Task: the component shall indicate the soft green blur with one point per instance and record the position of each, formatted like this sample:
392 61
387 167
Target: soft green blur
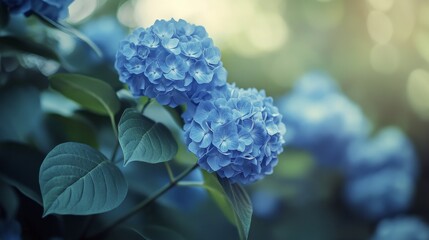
377 50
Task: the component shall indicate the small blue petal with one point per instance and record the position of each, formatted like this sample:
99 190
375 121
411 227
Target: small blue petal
201 72
192 49
127 49
135 66
153 72
150 40
163 29
212 55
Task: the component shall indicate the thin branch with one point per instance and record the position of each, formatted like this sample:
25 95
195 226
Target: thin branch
170 172
144 203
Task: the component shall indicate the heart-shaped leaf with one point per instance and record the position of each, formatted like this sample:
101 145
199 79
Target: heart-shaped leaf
77 179
144 140
93 94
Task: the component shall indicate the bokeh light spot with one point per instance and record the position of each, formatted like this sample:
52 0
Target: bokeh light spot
418 92
384 58
380 27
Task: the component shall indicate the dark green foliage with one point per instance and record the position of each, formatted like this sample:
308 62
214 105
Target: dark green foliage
77 179
144 140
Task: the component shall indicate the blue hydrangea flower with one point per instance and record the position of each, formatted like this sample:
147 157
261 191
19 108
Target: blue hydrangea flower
380 174
380 194
321 119
402 228
52 9
106 32
172 61
390 148
315 84
238 134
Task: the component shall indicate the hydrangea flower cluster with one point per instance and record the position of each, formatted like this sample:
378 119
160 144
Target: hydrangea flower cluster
380 174
54 10
410 228
238 134
172 61
321 119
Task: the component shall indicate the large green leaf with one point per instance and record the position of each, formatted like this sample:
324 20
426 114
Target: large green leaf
233 200
77 179
144 140
212 185
11 45
93 94
241 204
19 167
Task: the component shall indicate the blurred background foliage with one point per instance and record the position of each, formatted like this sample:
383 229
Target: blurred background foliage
376 51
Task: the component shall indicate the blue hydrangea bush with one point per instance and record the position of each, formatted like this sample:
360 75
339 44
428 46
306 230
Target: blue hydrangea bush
321 119
202 137
238 134
174 62
51 9
380 174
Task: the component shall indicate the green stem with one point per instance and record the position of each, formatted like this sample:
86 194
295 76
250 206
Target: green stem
149 100
113 122
190 184
144 203
115 150
170 172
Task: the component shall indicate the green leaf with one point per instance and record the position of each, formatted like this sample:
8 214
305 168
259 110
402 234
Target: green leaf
77 179
93 94
241 204
11 45
71 31
144 140
218 195
19 167
233 200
